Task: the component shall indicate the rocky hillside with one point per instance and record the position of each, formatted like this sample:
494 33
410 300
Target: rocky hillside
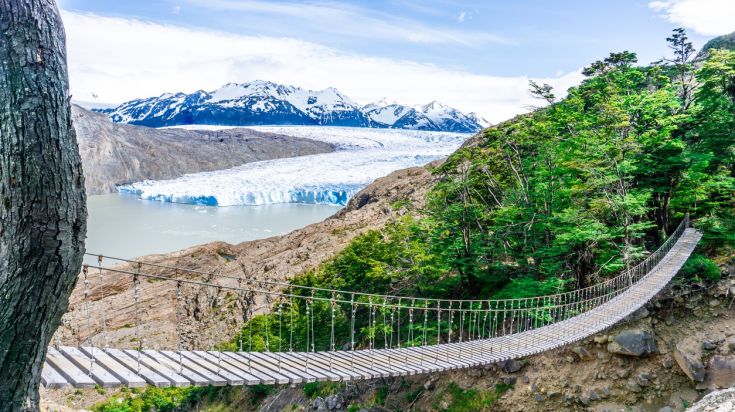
113 153
726 41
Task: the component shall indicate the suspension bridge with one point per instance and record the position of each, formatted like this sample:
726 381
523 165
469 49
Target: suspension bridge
308 334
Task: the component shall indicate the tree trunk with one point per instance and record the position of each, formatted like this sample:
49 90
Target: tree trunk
42 203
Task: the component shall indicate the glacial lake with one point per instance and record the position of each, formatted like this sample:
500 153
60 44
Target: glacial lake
125 226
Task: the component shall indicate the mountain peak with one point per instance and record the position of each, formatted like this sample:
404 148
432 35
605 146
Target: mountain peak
262 102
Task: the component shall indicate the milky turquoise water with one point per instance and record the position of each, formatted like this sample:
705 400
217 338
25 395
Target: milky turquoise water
125 226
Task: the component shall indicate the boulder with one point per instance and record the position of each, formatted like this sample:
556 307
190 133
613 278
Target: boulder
639 314
720 372
633 386
709 345
583 353
642 379
690 364
633 342
334 402
731 344
512 366
511 380
584 399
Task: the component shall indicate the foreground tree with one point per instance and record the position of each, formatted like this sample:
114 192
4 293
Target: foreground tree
42 202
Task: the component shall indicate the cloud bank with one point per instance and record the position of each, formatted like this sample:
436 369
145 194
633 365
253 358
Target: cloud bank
117 59
706 17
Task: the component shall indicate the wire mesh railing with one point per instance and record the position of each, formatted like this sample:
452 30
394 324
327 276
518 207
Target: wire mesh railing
284 317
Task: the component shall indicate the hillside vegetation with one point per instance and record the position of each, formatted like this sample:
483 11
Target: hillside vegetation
562 197
570 193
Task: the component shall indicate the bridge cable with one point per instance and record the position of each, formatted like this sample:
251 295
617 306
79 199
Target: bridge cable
85 281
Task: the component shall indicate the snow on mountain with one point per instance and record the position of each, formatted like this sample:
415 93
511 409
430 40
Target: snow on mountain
267 103
475 117
433 116
363 155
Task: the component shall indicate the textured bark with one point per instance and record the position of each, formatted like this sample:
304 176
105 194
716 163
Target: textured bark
42 202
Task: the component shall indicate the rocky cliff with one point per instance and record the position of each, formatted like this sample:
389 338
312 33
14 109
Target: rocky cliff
113 153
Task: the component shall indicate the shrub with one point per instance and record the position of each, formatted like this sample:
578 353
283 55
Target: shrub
700 267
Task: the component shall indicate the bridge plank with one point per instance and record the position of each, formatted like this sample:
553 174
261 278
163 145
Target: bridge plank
89 366
126 376
144 372
68 370
242 365
248 378
347 359
264 367
213 370
51 378
189 369
168 370
294 367
339 367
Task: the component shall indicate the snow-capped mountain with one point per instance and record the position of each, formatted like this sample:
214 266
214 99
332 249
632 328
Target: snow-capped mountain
433 116
266 103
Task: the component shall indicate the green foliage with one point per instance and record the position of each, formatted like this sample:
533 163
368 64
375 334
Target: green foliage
323 389
553 200
471 399
381 394
155 399
700 267
260 392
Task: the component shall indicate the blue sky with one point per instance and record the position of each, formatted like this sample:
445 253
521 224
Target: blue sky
496 45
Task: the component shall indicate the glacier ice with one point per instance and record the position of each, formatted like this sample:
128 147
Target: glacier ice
362 156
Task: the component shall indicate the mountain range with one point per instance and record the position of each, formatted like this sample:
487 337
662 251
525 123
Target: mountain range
267 103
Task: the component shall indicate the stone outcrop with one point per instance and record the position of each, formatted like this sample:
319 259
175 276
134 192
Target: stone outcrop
633 342
690 363
720 372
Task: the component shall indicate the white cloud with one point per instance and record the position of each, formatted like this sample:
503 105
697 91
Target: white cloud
122 59
706 17
461 16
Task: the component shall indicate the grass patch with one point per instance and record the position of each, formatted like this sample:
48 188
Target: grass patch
156 399
401 204
260 392
381 394
461 400
323 389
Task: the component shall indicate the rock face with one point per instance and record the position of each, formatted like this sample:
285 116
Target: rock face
718 401
720 372
119 153
583 353
633 342
689 364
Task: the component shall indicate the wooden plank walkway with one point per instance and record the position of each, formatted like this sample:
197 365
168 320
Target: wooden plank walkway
86 367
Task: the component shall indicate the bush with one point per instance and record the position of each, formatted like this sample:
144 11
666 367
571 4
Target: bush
700 267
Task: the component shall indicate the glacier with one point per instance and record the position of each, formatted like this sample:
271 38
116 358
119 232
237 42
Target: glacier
361 156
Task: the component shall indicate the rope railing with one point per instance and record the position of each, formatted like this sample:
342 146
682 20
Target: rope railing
358 320
632 275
